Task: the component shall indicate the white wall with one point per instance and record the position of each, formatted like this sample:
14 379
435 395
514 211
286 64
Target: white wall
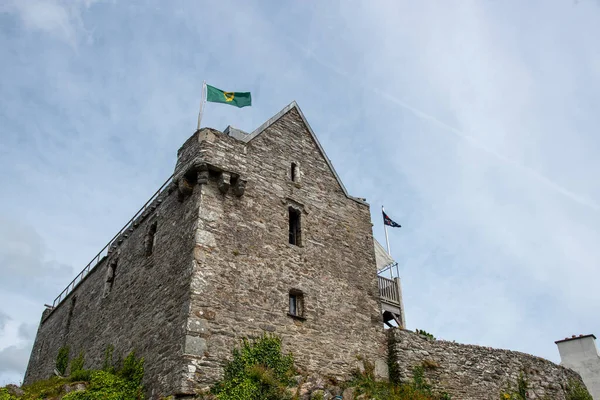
581 355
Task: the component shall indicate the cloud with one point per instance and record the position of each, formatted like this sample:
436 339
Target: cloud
58 18
29 280
27 332
22 262
14 359
3 320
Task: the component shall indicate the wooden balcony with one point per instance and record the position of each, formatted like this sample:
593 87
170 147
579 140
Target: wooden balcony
391 299
389 290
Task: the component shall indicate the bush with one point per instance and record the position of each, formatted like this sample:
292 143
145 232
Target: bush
133 369
77 364
107 386
258 371
62 359
4 395
81 375
122 384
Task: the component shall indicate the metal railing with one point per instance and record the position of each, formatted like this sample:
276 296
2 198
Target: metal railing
389 290
102 253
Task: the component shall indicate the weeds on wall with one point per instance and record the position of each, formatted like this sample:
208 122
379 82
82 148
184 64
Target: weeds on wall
258 371
124 383
393 368
62 360
574 390
425 333
520 392
418 389
108 363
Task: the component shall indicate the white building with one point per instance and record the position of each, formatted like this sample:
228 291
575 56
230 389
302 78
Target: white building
580 354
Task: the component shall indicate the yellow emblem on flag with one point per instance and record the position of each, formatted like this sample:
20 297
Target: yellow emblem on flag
229 96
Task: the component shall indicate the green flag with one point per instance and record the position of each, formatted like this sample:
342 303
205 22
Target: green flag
238 99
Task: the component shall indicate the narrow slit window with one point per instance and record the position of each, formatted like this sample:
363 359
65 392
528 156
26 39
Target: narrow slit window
295 229
150 240
296 303
294 172
110 277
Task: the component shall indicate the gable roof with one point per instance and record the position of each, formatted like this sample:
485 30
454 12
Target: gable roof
275 118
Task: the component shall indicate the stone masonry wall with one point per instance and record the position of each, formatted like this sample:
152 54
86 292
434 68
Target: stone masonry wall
145 310
475 372
245 266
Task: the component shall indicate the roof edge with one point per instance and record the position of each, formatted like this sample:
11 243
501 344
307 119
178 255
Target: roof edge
280 114
576 337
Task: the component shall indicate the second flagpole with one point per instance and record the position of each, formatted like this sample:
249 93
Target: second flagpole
387 240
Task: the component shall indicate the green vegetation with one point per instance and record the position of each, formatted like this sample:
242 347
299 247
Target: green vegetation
425 333
418 389
107 386
575 391
258 371
520 392
111 383
108 364
62 360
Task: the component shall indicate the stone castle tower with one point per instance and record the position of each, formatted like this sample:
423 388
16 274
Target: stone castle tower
253 233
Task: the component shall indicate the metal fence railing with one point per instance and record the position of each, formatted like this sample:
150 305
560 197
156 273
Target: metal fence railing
102 253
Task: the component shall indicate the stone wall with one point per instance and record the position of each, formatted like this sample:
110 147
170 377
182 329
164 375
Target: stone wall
245 266
145 309
222 268
475 372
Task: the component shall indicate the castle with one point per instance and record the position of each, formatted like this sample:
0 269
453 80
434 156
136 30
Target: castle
253 233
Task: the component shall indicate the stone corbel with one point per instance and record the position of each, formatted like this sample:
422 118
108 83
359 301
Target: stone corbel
202 173
184 187
224 181
240 187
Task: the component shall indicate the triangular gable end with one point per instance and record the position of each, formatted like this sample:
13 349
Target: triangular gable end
280 114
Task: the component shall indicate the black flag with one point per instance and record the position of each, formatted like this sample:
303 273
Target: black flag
388 221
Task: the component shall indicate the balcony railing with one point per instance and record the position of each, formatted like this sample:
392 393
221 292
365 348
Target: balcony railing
389 290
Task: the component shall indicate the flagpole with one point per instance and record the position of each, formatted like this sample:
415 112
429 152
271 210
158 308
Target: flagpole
387 240
202 104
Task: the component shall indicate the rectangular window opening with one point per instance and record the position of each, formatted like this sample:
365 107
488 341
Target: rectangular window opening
296 308
110 277
294 172
295 229
150 239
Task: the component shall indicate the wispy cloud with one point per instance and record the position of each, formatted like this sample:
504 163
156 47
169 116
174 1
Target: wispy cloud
59 18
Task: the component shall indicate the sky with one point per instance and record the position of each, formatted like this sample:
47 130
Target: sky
475 123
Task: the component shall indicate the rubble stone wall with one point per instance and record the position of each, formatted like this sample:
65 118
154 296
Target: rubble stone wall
145 309
476 372
245 266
